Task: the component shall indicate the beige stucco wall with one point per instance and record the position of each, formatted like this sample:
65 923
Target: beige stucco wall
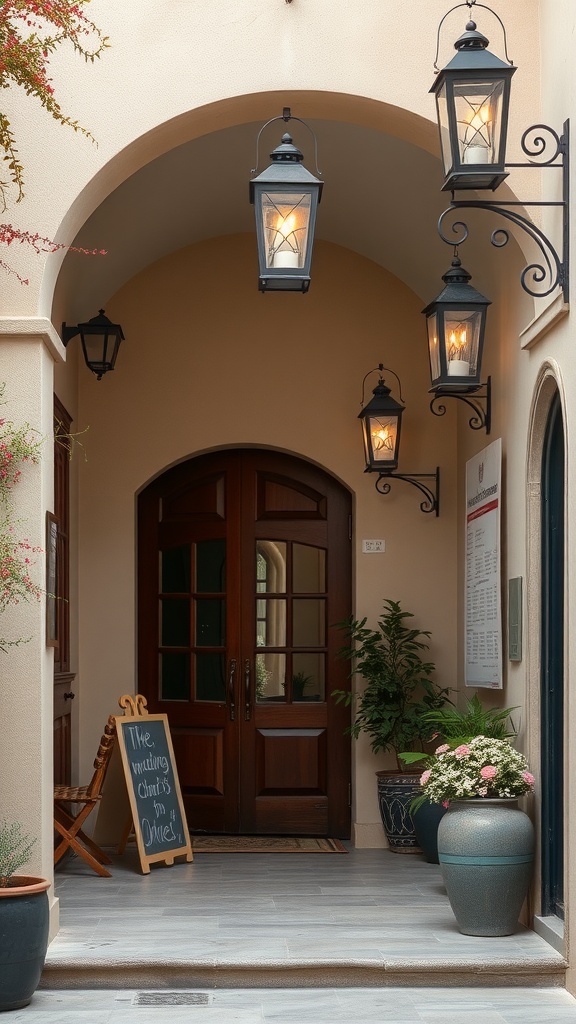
205 367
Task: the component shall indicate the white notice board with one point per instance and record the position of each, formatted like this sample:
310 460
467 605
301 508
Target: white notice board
483 663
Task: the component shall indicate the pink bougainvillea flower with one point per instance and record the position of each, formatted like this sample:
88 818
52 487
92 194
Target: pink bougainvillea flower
488 771
462 751
424 777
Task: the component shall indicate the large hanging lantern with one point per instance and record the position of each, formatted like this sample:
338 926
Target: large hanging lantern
472 101
285 198
381 423
456 322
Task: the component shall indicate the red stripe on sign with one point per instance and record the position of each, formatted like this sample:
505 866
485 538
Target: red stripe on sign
482 510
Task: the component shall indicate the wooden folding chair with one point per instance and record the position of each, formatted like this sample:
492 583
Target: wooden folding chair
68 824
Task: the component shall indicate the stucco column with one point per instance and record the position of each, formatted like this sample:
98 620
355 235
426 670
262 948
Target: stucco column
27 352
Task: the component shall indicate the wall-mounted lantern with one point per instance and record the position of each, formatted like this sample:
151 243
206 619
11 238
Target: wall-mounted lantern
456 323
100 342
381 425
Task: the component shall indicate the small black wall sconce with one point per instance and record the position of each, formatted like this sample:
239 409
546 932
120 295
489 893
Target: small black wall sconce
381 423
100 342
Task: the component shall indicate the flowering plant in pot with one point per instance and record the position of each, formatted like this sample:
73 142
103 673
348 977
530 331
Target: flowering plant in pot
485 841
483 767
398 690
24 919
454 726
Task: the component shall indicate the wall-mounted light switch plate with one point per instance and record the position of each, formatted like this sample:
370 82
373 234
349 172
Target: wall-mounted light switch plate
373 547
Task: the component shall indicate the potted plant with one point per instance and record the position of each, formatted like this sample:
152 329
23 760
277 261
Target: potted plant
398 691
485 842
24 920
454 727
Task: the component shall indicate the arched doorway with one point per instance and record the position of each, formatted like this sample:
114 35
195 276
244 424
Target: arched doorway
552 662
244 567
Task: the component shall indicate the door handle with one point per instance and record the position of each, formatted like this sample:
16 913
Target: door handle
69 696
247 707
231 703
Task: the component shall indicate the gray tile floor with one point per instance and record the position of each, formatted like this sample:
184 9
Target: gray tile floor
367 936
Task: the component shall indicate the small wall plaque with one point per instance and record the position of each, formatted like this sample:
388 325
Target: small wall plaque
515 619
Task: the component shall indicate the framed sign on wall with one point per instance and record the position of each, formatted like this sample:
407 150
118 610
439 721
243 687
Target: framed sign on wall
483 604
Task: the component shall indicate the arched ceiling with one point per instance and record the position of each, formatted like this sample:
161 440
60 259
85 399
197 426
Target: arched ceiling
381 199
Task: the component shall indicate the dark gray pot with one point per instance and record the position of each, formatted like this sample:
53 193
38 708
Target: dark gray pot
426 821
486 852
24 918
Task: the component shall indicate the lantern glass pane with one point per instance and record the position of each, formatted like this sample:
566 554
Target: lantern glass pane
478 108
461 340
433 346
383 431
443 124
95 346
286 220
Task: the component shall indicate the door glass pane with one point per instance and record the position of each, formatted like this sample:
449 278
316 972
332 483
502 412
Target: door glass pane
270 677
308 677
309 622
175 623
270 567
210 623
210 684
174 676
270 622
211 566
308 569
176 570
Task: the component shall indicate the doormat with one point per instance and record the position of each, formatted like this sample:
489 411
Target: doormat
265 844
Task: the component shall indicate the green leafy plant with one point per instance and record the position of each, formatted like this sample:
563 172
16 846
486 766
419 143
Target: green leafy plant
398 686
454 726
15 850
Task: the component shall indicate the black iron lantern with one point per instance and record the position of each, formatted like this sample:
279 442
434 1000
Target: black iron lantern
100 342
285 198
381 423
472 101
456 322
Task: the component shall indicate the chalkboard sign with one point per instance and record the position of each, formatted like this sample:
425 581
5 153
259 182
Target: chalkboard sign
158 817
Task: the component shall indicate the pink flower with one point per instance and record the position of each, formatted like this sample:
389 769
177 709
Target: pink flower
528 778
445 803
442 749
488 771
424 777
462 751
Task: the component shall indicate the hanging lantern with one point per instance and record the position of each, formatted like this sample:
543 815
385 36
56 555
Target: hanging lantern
285 198
472 101
456 322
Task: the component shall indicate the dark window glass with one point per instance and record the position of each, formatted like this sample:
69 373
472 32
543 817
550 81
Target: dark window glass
211 566
210 684
174 676
175 623
176 570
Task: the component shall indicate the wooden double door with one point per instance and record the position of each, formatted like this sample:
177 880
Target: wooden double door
244 568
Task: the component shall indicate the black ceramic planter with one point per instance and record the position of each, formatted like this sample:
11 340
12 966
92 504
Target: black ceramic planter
396 790
24 919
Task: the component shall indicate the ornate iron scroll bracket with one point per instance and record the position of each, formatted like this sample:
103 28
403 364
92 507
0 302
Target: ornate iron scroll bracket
539 278
482 417
431 494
